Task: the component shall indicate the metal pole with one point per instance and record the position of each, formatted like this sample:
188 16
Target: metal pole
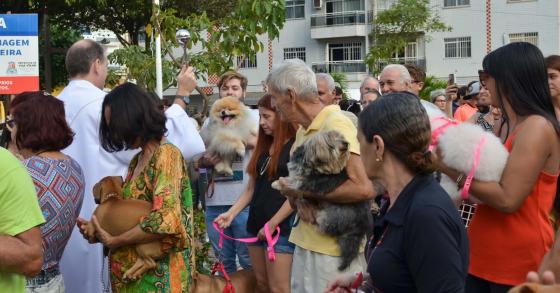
159 75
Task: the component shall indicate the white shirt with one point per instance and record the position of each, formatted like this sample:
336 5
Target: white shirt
81 262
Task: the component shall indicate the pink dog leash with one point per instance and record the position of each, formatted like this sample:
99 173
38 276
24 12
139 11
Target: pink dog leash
439 131
270 240
476 161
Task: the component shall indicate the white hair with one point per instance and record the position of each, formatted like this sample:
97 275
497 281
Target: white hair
293 74
368 78
328 78
436 93
403 72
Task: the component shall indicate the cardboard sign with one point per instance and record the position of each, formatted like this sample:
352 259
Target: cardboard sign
19 53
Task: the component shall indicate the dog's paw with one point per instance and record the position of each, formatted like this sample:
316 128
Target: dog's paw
275 185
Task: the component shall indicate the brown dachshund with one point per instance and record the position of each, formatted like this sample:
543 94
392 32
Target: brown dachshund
117 215
243 281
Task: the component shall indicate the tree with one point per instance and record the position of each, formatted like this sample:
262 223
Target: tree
129 18
233 35
431 83
60 38
403 22
341 81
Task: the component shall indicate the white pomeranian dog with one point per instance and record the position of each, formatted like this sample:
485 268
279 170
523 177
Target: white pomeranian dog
229 129
458 144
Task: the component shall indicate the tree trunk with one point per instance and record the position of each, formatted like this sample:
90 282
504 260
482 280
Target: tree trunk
47 50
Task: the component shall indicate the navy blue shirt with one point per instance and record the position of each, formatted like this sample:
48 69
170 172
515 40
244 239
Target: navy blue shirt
420 244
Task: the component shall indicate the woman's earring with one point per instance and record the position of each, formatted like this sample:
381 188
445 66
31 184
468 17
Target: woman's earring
378 160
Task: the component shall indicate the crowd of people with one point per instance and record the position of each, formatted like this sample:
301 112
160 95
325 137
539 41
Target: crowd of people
55 149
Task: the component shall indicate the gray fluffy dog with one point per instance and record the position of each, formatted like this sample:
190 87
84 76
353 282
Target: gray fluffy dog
319 166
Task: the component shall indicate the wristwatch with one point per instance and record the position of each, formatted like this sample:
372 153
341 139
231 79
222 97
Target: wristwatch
186 99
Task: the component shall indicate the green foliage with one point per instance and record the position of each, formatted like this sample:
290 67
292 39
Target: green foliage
431 83
231 36
60 38
141 66
340 80
393 28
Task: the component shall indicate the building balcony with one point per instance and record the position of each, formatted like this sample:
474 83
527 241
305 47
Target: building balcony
419 62
339 25
355 66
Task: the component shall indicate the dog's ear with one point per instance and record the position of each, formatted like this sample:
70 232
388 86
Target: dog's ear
97 192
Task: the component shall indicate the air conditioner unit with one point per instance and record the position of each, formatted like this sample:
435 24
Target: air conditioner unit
318 4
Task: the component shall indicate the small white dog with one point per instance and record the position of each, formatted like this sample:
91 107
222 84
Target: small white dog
458 144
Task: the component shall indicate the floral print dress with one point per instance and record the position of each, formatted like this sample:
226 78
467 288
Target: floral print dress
165 183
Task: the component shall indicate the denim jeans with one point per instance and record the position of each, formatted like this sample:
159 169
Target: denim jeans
230 249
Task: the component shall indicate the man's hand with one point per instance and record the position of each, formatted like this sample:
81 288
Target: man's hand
209 160
306 211
186 81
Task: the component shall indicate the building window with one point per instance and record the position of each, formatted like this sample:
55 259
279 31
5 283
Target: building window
294 53
345 52
243 62
458 47
295 9
338 6
454 3
532 38
408 52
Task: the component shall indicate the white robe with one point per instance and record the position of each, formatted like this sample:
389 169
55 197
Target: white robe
81 262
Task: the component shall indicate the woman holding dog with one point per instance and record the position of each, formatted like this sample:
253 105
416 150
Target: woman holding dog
510 233
131 119
267 206
419 243
39 136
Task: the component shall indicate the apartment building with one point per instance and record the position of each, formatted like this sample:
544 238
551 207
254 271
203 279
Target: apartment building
334 36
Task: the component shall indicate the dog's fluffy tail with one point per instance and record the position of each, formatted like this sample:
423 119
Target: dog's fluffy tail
349 244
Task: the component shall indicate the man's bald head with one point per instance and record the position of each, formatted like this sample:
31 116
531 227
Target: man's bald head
81 56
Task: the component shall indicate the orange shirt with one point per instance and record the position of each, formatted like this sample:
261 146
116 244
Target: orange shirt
465 112
505 247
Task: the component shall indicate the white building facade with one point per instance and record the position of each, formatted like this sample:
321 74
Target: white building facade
334 36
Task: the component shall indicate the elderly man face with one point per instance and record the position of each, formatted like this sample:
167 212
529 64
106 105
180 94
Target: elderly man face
391 81
369 84
367 98
284 104
325 95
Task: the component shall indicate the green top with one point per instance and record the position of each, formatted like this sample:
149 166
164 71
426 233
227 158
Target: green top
19 209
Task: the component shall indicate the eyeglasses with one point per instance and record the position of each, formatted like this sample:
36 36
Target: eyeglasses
10 124
483 77
440 101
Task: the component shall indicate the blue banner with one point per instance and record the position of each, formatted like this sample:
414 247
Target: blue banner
19 25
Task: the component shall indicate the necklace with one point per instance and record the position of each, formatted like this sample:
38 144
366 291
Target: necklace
264 167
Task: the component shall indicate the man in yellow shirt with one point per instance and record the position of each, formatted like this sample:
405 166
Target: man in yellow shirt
317 255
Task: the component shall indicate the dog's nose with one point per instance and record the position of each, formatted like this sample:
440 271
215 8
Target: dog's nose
344 146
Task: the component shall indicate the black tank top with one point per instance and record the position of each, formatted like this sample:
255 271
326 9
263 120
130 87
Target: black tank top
266 200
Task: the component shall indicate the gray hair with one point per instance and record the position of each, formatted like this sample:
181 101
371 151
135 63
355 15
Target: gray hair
436 93
367 79
293 74
328 78
403 72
